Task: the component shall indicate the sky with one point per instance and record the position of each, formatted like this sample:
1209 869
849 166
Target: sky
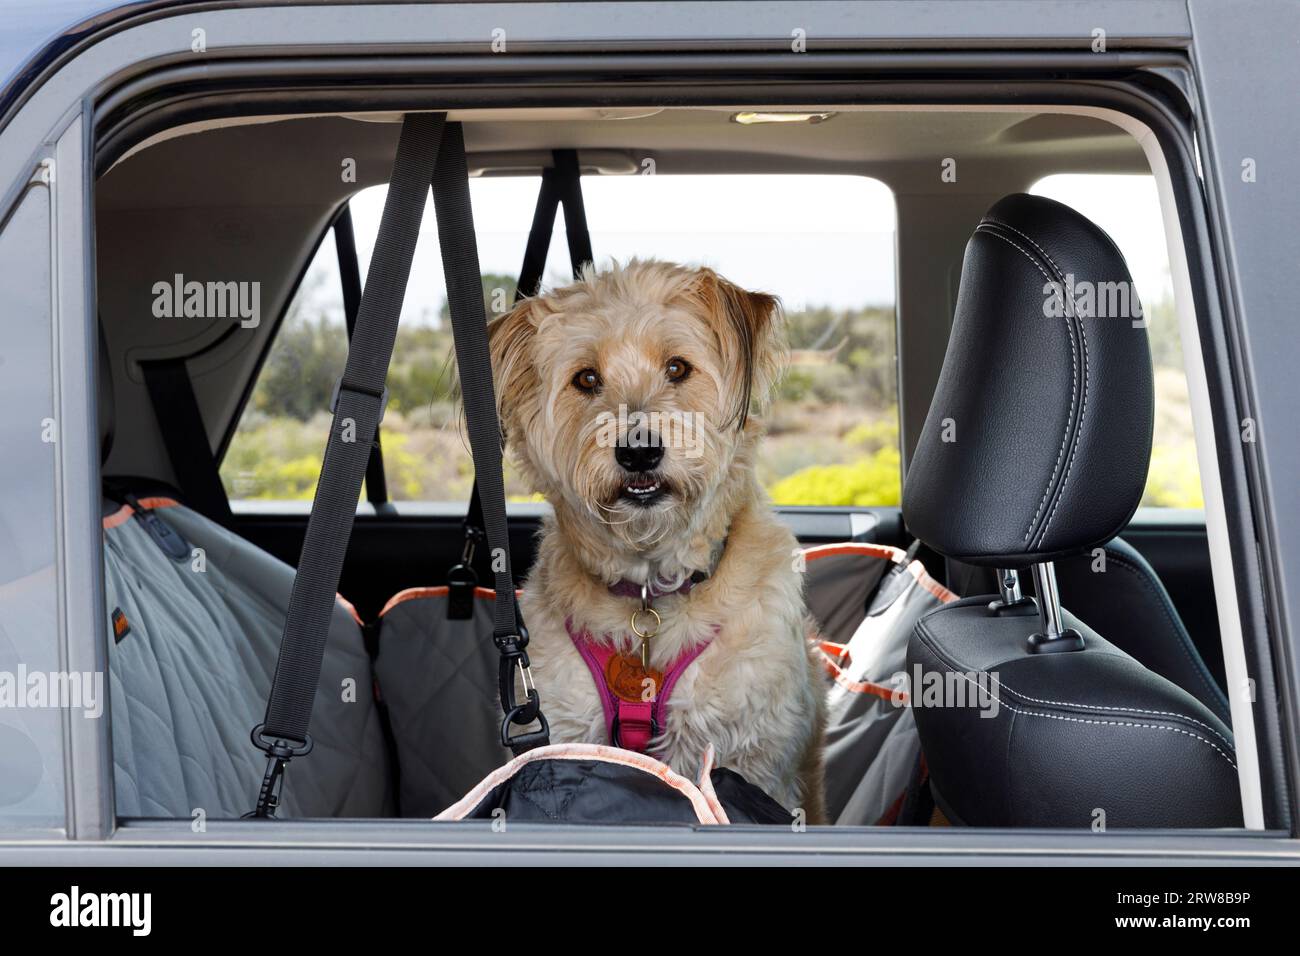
813 240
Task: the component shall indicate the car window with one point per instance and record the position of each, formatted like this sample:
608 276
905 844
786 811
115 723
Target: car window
34 691
824 244
1128 208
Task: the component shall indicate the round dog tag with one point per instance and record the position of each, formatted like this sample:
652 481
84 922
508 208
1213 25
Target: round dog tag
627 679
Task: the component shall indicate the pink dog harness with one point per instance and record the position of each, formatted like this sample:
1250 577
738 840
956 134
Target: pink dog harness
630 720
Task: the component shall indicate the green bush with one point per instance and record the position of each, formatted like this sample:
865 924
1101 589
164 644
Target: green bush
275 458
874 480
1174 480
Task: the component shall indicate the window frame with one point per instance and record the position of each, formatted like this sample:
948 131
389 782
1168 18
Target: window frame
1217 322
1199 313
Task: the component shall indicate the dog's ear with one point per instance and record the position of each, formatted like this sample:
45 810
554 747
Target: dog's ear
751 335
510 342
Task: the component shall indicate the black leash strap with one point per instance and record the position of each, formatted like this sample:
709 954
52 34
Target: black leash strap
469 328
345 247
539 238
358 406
171 393
561 183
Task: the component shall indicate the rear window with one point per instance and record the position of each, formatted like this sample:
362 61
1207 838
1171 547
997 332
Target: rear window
824 244
1128 208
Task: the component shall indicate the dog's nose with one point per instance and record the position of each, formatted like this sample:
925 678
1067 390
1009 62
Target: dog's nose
639 452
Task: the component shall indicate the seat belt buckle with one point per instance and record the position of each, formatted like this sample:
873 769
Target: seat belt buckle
339 386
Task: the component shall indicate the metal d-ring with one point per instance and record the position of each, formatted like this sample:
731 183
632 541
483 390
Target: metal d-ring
645 635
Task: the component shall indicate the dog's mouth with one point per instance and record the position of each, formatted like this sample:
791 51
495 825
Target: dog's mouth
644 488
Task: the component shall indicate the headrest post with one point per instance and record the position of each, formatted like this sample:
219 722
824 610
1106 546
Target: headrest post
1054 636
1010 599
1009 584
1049 599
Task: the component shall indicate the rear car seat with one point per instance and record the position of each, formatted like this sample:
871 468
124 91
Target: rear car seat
196 614
437 671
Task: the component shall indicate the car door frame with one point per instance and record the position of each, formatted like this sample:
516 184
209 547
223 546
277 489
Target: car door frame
1147 36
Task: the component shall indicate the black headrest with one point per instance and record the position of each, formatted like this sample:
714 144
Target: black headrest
1039 435
107 418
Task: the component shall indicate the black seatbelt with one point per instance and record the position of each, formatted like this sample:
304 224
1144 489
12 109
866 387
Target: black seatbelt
429 150
569 175
460 266
539 237
345 246
358 406
561 183
171 393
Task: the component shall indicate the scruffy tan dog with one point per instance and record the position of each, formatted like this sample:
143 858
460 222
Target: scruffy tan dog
625 400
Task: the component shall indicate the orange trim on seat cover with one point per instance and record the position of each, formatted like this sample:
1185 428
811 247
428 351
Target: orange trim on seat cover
123 514
916 568
411 594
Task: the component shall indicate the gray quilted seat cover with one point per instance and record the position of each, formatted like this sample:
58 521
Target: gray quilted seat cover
190 679
866 599
438 679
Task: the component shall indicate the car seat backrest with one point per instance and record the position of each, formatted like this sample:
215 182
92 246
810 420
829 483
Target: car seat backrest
195 620
1038 438
194 644
1036 447
1123 598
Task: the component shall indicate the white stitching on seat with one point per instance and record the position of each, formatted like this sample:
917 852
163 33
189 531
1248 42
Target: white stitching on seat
1083 334
1078 434
998 222
1131 710
1113 723
1074 366
954 663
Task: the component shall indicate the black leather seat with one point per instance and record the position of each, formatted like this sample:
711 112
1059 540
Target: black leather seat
1036 449
1127 601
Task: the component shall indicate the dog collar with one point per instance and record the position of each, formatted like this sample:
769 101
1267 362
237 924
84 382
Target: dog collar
632 589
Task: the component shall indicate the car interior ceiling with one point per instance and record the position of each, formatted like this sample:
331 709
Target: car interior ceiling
253 197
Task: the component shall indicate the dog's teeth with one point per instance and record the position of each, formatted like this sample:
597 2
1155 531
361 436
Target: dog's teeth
641 490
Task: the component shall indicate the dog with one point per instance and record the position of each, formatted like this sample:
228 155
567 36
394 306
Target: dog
625 399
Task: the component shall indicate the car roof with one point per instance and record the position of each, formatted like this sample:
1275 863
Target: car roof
38 32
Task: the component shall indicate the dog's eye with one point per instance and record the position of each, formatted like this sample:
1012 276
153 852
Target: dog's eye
587 380
677 369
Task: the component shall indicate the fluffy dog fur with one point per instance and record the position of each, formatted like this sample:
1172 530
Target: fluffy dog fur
755 692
